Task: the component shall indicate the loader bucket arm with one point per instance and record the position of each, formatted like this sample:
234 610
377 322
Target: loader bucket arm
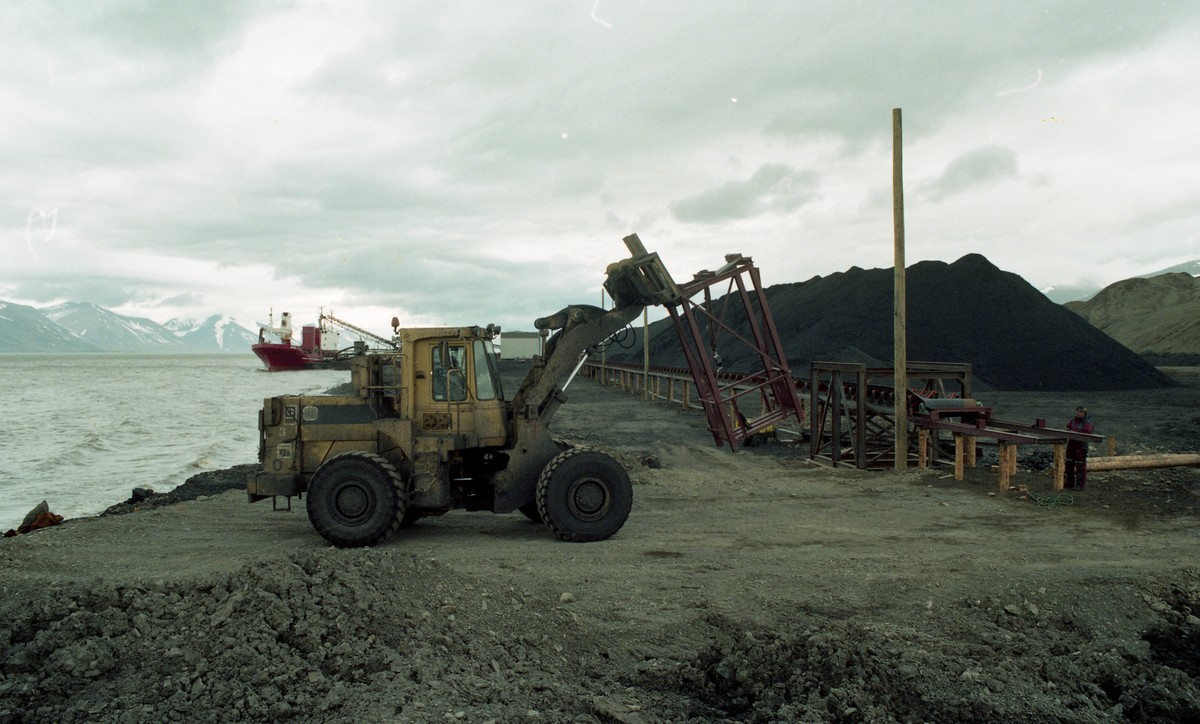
634 284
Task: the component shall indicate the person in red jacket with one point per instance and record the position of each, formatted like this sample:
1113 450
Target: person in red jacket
1076 472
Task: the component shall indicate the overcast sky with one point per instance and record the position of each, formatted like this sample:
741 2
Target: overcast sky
469 162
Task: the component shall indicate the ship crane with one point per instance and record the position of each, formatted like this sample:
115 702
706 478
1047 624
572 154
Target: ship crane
362 333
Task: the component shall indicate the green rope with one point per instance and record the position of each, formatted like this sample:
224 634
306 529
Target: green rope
1052 501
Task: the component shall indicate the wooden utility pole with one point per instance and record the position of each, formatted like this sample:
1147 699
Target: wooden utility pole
603 350
899 303
645 353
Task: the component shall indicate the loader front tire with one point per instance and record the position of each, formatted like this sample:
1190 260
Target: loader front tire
356 499
584 495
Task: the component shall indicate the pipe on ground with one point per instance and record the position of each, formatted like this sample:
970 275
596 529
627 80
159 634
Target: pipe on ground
1131 462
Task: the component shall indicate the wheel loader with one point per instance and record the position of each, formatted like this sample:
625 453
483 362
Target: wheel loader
429 429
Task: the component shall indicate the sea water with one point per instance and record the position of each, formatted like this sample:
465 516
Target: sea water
80 431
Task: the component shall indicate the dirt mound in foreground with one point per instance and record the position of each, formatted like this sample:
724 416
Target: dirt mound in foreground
374 635
323 636
969 311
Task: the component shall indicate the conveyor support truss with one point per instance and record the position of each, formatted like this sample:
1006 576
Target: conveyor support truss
727 405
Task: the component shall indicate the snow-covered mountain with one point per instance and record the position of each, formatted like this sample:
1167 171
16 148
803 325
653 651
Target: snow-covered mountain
83 327
215 334
1188 267
180 326
1064 293
26 329
112 332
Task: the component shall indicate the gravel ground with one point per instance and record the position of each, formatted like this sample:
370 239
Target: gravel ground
752 588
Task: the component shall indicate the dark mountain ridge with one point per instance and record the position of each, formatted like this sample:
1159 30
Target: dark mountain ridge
969 311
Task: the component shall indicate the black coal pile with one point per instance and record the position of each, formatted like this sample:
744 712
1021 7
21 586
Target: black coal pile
970 311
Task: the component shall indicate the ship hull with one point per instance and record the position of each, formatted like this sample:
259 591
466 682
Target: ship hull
277 357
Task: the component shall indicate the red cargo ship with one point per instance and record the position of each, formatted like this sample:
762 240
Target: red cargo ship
320 345
283 355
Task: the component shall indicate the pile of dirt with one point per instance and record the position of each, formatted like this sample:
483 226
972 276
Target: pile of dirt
1006 663
1158 316
365 635
382 635
968 312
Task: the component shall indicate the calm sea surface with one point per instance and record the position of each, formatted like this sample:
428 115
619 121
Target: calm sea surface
82 430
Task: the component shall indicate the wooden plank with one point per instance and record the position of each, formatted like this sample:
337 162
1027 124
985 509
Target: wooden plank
860 427
1049 434
958 457
970 430
923 448
1060 458
1003 466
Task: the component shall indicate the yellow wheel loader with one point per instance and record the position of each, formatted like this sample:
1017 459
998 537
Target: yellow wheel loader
429 430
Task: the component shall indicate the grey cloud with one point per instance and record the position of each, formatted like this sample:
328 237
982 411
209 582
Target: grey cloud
980 166
773 187
188 299
451 284
850 64
106 292
169 28
445 119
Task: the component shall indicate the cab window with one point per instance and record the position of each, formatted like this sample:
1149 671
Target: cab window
449 382
487 386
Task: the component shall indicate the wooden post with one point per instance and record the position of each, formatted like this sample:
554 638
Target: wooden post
645 352
1112 447
1004 466
1060 464
835 417
603 347
901 347
958 457
923 448
971 452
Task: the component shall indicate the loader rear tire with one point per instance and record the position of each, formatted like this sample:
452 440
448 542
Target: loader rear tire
356 499
584 495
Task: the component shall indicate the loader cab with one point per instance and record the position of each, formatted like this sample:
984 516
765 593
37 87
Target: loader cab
452 379
458 390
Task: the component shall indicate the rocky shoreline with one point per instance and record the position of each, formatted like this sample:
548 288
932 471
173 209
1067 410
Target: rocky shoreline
202 485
